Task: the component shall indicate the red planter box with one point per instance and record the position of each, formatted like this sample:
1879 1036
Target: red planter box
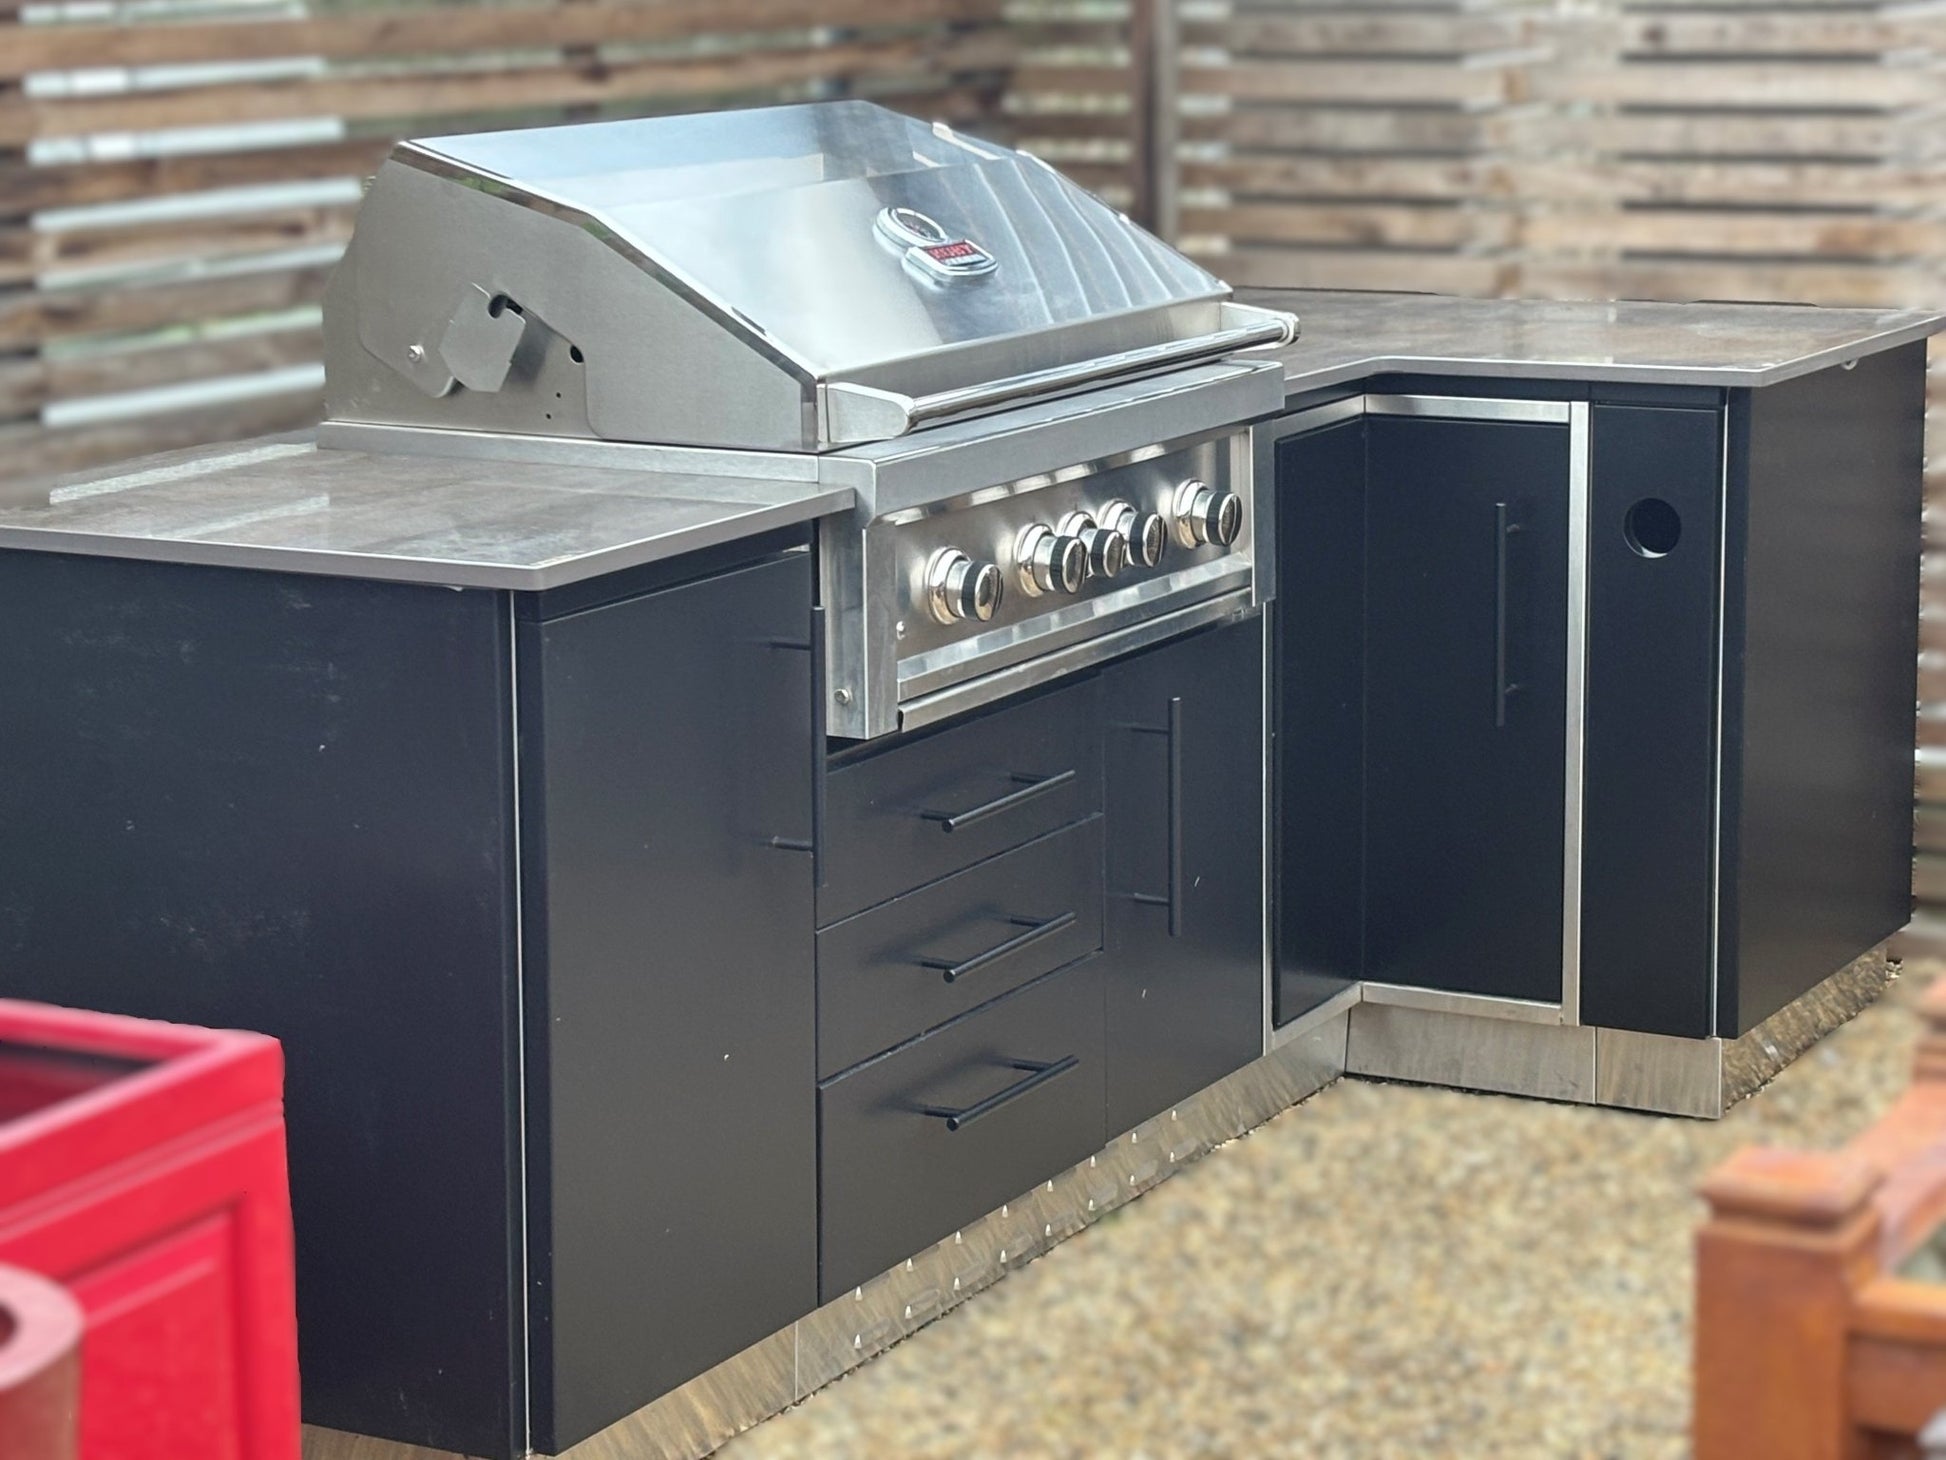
142 1167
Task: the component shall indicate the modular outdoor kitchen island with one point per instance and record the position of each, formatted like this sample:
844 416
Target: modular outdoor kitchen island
824 710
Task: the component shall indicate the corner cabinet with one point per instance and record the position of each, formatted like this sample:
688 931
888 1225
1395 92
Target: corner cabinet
1422 682
1183 784
1598 697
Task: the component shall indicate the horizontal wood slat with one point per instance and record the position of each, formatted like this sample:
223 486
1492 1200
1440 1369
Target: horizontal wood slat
451 28
29 318
28 189
1357 31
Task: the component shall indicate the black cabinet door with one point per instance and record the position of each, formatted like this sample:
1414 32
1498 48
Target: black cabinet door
1318 683
1183 780
671 1019
1466 682
1647 873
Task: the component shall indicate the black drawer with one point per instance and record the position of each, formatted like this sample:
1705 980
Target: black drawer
915 962
897 1175
926 807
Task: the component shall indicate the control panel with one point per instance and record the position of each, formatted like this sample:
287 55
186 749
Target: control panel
1049 552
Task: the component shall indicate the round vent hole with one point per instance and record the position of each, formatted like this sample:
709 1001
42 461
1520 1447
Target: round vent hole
1652 527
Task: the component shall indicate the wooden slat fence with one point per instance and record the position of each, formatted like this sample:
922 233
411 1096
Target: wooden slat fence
177 176
1073 98
1354 146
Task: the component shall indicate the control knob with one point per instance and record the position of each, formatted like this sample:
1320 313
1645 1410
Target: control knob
1049 562
1107 550
960 587
1205 515
1144 533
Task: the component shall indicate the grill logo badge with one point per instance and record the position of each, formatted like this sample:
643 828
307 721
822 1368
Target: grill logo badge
930 250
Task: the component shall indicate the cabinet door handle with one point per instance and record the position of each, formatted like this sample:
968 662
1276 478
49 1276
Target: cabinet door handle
820 701
1502 531
1175 817
954 972
814 843
1034 787
1173 898
1037 1076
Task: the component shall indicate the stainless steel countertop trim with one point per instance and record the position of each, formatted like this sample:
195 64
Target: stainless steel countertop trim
1469 408
1351 336
735 522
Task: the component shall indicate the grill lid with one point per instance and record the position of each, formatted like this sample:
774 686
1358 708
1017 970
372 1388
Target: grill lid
796 277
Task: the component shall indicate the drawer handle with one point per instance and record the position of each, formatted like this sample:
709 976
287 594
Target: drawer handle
1035 786
1037 1076
954 972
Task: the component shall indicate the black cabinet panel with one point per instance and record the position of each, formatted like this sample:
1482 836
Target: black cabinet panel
1183 774
672 1137
284 803
1819 690
1318 765
1026 1071
1649 781
911 964
926 805
1466 655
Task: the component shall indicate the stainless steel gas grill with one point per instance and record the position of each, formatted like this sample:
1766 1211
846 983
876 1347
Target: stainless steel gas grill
1032 399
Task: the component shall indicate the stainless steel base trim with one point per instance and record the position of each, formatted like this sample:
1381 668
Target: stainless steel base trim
770 1376
1335 1007
701 1416
1705 1077
322 1444
1658 1073
1481 1006
1503 1056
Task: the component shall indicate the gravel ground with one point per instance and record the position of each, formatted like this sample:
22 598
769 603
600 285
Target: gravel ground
1382 1271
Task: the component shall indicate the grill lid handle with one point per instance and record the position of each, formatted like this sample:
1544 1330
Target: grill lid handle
856 413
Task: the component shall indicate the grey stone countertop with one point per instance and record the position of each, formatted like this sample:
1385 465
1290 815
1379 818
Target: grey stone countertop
1347 336
286 504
